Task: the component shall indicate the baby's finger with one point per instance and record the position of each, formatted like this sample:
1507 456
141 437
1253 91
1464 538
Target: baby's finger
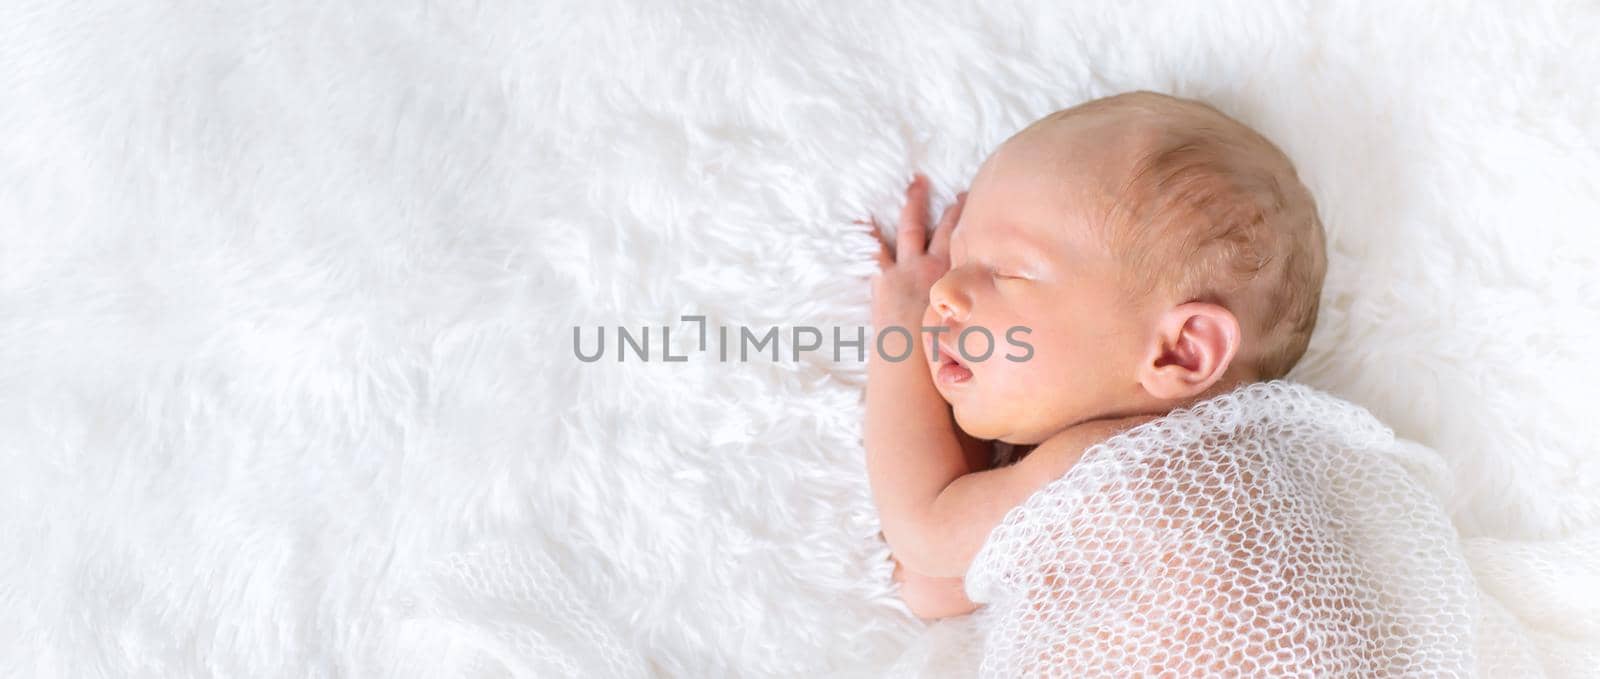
885 254
940 247
913 233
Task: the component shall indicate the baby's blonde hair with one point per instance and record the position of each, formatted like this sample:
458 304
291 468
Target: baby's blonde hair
1213 211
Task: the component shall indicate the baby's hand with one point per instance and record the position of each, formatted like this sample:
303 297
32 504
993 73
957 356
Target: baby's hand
908 268
931 598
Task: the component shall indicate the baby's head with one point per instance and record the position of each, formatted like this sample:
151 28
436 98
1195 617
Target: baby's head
1159 251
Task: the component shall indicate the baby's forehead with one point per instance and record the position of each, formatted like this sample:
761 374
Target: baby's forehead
1078 171
1065 181
1036 204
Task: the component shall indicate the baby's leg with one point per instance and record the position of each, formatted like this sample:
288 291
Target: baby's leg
930 597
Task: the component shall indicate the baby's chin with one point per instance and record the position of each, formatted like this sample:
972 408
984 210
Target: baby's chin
972 421
977 423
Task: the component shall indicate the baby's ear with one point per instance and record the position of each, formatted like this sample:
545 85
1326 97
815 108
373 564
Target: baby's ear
1193 347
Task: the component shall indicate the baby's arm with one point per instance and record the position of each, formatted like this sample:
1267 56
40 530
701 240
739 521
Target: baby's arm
939 532
914 449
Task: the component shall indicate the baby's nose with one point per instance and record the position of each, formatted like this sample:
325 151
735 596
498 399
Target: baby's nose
948 301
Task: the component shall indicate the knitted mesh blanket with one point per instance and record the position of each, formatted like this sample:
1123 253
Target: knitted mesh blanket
1272 531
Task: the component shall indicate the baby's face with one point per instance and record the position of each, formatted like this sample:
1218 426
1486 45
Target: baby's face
1026 252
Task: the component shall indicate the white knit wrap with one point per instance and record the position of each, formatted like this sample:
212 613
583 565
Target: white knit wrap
1271 531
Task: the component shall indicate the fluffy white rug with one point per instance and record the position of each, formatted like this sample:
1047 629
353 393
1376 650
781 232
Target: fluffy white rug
288 289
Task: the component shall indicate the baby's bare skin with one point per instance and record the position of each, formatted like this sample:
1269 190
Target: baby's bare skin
932 597
1020 249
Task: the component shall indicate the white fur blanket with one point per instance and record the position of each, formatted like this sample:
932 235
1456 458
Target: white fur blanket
287 292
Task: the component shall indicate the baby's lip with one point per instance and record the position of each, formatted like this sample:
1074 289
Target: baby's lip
947 354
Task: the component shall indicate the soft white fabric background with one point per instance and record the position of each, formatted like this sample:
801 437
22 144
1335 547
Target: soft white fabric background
287 292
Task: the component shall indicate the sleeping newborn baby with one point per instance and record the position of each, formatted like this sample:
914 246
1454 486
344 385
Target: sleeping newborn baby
1177 509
